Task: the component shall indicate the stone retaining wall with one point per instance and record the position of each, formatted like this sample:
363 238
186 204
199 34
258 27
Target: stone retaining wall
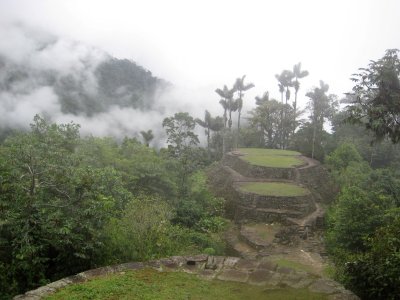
246 169
315 178
243 207
254 272
303 204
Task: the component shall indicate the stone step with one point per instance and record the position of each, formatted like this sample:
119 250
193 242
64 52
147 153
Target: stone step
259 236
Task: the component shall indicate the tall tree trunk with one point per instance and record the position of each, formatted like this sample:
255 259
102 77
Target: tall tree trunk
238 132
295 111
223 142
281 133
208 142
313 139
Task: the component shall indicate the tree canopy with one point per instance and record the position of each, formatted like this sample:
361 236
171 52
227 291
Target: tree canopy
376 97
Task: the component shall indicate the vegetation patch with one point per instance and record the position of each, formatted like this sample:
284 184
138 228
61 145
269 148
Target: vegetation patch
261 151
151 284
279 189
274 158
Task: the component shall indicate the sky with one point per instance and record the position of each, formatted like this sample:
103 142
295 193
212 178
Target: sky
201 45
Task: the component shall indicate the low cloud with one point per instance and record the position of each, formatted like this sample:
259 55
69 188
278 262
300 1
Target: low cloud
34 64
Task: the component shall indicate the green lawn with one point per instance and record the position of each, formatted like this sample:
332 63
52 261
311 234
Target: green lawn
279 189
150 284
271 157
260 151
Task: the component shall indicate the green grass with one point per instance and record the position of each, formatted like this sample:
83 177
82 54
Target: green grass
149 284
274 158
260 151
279 189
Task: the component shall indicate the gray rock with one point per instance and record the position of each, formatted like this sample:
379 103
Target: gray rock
260 277
233 275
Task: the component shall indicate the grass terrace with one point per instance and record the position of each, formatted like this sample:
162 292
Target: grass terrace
278 189
274 158
148 284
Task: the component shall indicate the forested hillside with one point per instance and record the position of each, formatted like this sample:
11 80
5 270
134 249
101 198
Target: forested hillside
113 82
64 80
68 204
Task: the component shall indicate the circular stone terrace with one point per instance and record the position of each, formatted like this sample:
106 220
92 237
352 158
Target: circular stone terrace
273 158
276 189
207 277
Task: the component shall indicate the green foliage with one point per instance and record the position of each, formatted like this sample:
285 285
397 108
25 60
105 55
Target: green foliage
182 141
143 232
322 107
267 119
68 204
341 158
302 141
347 166
53 209
141 168
355 216
376 97
200 210
378 154
380 266
363 225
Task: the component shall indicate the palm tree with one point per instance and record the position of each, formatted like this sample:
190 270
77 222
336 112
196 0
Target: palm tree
263 99
147 136
319 106
206 124
227 104
285 81
240 88
298 74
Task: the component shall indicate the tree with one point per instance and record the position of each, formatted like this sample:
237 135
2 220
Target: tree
322 107
228 105
206 125
182 140
210 124
285 82
376 274
376 94
148 136
52 209
298 74
266 118
264 98
240 87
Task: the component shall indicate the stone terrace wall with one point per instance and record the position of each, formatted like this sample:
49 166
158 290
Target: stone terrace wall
248 170
316 177
254 272
243 207
221 183
303 204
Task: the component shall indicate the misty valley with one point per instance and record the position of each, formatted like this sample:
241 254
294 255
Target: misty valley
99 167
